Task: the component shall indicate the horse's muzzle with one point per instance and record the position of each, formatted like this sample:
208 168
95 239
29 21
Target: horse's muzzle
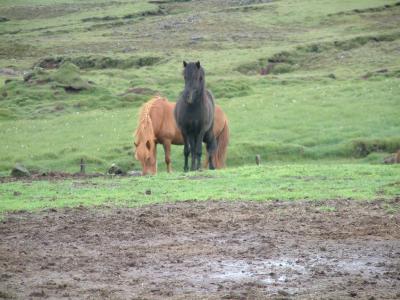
188 97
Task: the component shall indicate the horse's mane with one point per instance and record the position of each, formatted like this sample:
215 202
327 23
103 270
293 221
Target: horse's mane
144 130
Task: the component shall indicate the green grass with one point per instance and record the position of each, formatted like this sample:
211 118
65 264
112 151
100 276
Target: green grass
332 98
300 120
267 182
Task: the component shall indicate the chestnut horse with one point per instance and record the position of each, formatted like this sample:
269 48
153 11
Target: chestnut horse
156 125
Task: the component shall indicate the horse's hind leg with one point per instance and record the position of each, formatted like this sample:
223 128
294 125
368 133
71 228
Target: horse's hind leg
167 152
211 146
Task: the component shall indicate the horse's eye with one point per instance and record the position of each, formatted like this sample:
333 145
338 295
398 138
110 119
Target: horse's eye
201 78
148 145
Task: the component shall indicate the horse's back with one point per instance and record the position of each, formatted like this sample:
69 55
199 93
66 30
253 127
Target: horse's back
163 120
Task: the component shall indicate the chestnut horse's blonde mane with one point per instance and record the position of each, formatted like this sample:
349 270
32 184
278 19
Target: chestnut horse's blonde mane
144 131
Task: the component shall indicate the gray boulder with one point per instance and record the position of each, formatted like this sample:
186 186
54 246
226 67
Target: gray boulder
134 173
115 170
20 171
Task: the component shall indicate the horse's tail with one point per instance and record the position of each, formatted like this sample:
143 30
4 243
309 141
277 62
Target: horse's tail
219 156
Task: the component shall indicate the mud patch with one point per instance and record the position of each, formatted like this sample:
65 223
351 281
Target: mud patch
49 176
207 250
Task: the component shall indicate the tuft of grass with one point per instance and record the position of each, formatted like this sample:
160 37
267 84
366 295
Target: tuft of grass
326 208
365 147
392 208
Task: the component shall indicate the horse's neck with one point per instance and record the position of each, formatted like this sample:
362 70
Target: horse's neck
203 96
210 96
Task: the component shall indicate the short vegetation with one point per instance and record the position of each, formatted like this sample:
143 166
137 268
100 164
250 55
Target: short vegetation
304 82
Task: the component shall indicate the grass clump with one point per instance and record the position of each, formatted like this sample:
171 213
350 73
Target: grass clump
326 208
307 56
364 147
67 77
367 10
229 89
99 62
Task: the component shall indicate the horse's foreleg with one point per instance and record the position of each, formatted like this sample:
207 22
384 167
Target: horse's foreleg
192 141
167 152
199 146
186 151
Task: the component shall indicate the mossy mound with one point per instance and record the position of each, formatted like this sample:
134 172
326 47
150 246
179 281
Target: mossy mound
98 62
67 77
301 57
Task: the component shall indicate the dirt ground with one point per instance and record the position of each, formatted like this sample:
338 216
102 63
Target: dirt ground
204 250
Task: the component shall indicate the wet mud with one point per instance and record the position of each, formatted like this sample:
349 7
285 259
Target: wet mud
334 249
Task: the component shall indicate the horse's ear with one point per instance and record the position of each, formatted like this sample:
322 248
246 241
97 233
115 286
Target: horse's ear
184 64
198 64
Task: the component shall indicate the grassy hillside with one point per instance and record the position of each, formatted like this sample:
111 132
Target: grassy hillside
299 80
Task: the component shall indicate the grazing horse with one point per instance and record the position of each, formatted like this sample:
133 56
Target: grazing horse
156 125
194 115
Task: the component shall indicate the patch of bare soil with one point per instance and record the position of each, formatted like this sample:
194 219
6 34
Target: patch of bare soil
50 176
204 250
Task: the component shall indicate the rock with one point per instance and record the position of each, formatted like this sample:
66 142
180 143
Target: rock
115 170
20 171
283 293
28 76
129 49
9 72
353 293
134 173
390 159
268 69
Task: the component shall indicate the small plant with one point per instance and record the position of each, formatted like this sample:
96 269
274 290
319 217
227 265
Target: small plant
327 208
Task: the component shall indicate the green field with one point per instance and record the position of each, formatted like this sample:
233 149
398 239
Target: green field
273 182
73 75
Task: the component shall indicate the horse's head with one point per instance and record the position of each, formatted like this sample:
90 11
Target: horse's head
146 154
194 75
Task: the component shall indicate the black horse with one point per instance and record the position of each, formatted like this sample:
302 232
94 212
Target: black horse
194 115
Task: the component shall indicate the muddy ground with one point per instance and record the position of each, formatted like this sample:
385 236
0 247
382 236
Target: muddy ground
196 250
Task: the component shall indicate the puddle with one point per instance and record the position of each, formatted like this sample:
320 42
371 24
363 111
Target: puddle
265 271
